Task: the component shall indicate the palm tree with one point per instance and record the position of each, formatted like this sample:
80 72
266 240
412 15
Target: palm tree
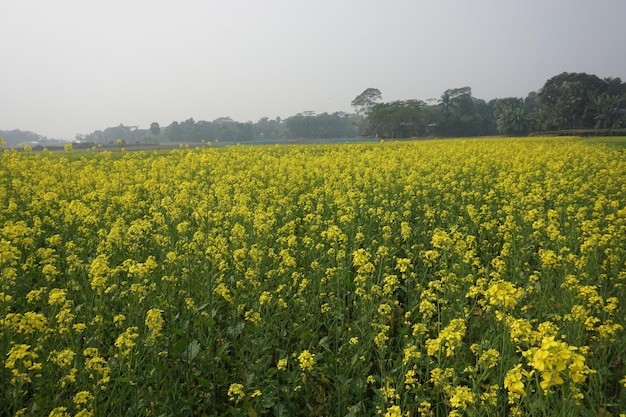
512 121
606 110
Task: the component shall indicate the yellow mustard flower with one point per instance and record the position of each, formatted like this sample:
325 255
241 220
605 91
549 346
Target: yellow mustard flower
154 322
235 392
306 360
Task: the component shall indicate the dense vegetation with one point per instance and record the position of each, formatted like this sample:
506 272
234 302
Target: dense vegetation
418 278
566 102
569 103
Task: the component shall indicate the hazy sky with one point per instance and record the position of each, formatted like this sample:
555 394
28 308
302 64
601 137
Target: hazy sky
75 66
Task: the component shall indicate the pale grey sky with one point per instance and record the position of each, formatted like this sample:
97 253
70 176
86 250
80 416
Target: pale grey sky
75 66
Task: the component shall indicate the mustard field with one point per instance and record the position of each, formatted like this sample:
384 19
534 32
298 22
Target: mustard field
480 277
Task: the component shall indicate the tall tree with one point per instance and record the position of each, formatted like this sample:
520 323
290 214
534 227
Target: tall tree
462 114
607 110
456 100
365 102
566 98
155 129
511 116
322 126
398 119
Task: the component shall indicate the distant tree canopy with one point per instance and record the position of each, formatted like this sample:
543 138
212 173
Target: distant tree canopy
14 138
582 101
457 113
127 134
511 116
155 129
364 103
567 102
322 126
306 125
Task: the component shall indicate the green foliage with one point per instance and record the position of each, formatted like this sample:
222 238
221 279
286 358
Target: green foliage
399 119
13 138
155 129
567 102
582 101
464 115
511 117
608 110
322 126
365 102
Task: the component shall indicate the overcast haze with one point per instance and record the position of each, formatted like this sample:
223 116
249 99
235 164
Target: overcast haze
76 66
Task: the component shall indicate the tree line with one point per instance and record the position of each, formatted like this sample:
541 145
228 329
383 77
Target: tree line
568 103
15 137
571 103
305 125
302 126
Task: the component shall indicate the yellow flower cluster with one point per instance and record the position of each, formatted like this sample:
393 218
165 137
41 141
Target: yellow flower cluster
306 360
125 342
236 393
97 368
514 383
449 339
154 322
553 357
21 361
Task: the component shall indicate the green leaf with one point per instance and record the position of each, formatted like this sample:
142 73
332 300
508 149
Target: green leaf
192 350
